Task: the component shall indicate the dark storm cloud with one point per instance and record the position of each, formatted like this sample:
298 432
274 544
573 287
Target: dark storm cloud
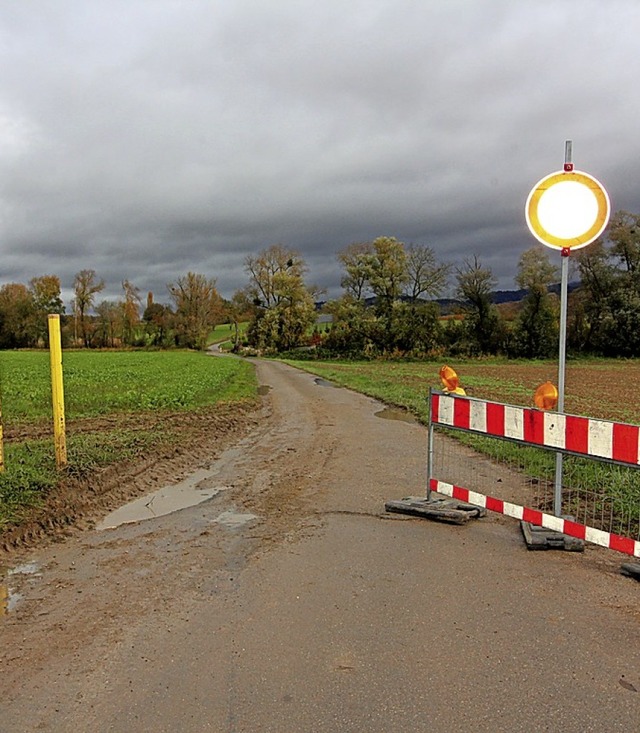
144 139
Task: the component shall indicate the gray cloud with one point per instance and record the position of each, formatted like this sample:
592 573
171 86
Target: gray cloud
147 138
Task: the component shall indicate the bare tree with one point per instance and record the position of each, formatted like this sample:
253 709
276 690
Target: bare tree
426 275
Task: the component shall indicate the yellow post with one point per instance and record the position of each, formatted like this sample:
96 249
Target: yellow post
57 391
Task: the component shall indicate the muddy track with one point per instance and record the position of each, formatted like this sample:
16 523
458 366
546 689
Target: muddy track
292 602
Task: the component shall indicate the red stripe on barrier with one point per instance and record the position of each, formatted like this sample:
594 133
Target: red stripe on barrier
577 434
533 421
532 516
435 407
622 544
460 493
625 443
495 418
495 505
574 529
461 413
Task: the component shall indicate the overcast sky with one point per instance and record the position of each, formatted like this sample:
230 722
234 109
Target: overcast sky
147 138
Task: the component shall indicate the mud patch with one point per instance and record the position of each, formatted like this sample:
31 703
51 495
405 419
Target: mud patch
232 519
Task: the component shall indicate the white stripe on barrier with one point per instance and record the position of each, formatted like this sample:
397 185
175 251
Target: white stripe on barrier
600 438
445 410
555 426
478 416
513 423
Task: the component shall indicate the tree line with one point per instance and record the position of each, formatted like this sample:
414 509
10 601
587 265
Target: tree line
195 308
389 305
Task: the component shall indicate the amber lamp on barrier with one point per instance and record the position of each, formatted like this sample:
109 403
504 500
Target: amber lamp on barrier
450 380
546 396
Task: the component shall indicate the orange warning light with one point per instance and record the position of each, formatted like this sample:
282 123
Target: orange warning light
546 396
450 380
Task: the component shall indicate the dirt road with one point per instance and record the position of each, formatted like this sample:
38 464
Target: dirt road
291 603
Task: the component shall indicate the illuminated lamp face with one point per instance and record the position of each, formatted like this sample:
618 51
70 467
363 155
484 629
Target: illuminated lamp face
567 210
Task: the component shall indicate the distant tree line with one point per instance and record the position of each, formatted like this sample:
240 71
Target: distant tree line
389 305
196 308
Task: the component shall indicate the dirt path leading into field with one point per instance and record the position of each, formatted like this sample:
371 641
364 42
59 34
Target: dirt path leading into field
290 602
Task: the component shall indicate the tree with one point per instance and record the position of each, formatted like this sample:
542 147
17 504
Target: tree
198 308
276 275
109 316
536 330
387 272
483 330
158 319
86 288
16 316
284 307
45 292
624 234
425 276
130 308
356 260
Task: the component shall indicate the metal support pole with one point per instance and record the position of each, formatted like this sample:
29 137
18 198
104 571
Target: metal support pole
562 357
429 447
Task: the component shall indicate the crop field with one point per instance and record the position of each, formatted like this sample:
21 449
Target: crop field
605 389
102 383
114 402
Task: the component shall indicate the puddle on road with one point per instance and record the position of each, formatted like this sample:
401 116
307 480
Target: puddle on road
393 413
167 500
233 519
324 382
9 594
264 389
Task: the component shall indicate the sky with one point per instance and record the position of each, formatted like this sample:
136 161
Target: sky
144 139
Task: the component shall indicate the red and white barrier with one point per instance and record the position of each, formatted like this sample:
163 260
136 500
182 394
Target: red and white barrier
599 439
540 519
614 441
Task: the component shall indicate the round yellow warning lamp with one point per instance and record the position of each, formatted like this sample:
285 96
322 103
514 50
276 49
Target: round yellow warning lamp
546 396
567 210
449 378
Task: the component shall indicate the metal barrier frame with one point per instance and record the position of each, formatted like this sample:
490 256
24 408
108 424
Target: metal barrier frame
602 440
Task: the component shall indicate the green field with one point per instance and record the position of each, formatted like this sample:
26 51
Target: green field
97 385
